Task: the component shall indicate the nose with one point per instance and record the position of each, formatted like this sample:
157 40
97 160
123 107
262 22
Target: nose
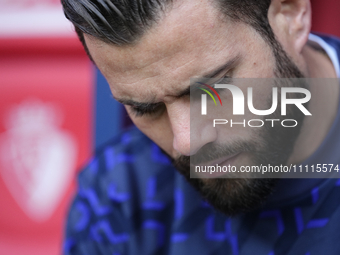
190 134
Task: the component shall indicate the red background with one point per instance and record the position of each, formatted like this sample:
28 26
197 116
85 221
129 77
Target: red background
57 69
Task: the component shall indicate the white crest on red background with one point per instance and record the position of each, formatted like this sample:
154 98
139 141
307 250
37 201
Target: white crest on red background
37 157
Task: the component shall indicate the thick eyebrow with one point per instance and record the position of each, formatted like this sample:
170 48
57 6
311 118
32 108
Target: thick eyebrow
212 74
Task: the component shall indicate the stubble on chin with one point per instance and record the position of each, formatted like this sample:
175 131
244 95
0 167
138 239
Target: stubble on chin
229 196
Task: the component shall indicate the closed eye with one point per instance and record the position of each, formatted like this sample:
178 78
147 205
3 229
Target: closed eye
148 109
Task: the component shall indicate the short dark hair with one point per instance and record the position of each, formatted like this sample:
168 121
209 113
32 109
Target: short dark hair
119 22
123 22
251 12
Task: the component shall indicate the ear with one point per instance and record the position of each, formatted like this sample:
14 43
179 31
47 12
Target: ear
291 23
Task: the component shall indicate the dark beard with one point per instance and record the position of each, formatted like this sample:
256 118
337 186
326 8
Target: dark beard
230 196
241 195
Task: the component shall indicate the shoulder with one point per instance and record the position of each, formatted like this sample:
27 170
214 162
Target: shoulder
331 39
129 156
126 175
330 43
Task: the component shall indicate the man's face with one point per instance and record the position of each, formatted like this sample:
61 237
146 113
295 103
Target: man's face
152 79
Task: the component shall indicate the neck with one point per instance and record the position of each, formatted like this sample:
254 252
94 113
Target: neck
323 105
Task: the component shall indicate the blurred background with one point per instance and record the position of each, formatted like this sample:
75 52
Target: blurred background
55 109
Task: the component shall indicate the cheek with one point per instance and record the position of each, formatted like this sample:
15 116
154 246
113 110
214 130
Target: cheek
158 130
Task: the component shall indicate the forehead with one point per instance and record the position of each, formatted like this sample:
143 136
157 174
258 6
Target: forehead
192 39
